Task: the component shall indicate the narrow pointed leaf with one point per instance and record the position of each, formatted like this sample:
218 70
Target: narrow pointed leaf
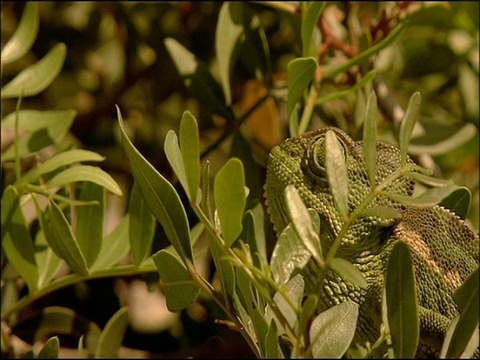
294 291
272 348
309 306
190 148
336 169
180 290
420 201
175 159
112 335
160 196
50 349
310 13
230 200
48 262
401 300
383 212
142 225
227 35
411 117
300 74
24 37
332 331
59 160
85 173
38 76
60 237
348 272
370 138
16 240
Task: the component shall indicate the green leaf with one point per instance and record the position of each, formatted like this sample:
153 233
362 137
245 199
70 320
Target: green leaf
428 180
401 300
309 307
310 13
16 240
89 231
467 299
409 120
227 36
160 196
348 272
180 290
370 138
190 148
48 262
294 291
59 160
301 222
300 74
332 330
38 76
142 225
112 335
60 237
224 267
424 200
115 246
175 159
85 173
50 349
457 201
24 37
383 212
272 348
44 128
336 169
230 200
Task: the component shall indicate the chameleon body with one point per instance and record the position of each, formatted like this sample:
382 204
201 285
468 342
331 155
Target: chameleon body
443 248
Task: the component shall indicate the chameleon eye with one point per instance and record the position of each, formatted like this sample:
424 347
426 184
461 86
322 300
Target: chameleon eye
315 156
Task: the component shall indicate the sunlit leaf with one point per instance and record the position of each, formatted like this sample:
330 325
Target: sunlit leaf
142 225
44 128
81 173
190 148
229 193
50 349
336 169
370 138
409 120
180 290
24 37
294 291
112 335
401 301
332 330
38 76
16 240
348 272
160 196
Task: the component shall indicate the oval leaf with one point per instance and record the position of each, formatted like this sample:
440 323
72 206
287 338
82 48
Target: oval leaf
160 196
230 200
50 349
401 301
85 173
16 240
332 331
180 290
412 115
370 138
23 38
38 76
336 169
142 225
190 148
175 159
112 335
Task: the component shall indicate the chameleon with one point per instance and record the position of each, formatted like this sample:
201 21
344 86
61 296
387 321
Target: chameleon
444 249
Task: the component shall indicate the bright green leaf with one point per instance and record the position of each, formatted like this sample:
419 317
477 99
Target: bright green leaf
412 115
44 128
401 301
190 148
50 349
332 330
59 160
160 196
310 13
16 240
348 272
38 76
60 237
85 173
370 138
90 218
336 169
48 262
112 335
180 290
230 200
272 348
24 37
175 158
228 34
142 225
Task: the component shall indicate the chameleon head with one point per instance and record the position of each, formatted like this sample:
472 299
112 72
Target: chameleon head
300 161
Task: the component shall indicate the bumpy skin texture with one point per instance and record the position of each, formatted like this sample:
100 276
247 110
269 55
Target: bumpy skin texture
444 249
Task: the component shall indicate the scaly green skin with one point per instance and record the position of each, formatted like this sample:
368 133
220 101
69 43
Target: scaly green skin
444 249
